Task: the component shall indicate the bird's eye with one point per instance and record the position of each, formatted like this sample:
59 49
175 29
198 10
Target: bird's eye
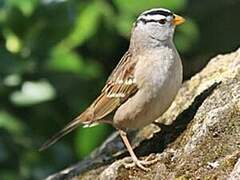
162 21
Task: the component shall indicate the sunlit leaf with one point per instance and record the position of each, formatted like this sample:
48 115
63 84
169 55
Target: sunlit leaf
86 25
12 80
13 42
3 15
33 93
10 123
89 138
26 6
65 60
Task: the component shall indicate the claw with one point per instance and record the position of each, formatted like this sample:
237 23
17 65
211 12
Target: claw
141 163
135 161
153 158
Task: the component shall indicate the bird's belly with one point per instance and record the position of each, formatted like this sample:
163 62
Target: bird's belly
138 117
152 100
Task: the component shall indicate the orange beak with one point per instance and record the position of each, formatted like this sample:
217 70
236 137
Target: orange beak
178 20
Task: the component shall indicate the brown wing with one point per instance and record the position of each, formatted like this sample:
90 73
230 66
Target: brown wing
119 87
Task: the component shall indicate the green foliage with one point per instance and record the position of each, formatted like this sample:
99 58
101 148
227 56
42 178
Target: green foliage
10 123
54 58
25 6
84 144
86 24
188 35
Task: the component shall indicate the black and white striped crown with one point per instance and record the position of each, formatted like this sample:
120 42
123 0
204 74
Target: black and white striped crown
154 15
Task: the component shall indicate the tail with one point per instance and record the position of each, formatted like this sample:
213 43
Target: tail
82 119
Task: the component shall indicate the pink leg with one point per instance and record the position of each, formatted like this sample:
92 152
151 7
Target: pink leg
136 161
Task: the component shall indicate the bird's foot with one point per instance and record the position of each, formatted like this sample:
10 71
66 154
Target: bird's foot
142 164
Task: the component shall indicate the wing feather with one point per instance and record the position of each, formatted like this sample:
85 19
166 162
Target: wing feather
119 87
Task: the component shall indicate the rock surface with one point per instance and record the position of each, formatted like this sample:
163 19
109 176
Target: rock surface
200 138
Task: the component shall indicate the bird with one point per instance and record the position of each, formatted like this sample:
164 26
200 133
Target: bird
142 86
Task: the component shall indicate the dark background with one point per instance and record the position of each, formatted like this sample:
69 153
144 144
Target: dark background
55 56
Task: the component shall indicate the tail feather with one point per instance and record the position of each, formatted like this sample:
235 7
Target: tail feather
70 127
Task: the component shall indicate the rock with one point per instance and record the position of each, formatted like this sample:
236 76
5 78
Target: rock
200 138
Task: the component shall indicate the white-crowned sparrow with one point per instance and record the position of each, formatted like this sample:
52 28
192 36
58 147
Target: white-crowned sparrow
144 83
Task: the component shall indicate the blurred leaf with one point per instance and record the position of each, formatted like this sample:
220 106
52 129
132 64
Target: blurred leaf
33 93
89 138
12 80
132 7
3 14
11 123
124 25
13 43
26 6
11 63
187 34
65 60
8 174
52 1
86 25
